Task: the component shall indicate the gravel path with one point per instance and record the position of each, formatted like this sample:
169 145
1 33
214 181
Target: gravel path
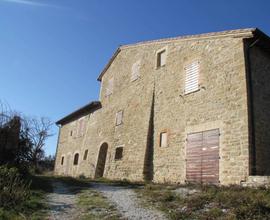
127 203
62 203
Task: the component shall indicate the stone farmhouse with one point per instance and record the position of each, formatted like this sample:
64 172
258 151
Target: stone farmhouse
185 109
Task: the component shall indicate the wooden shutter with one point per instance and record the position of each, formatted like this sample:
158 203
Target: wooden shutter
210 156
135 70
194 162
192 77
202 155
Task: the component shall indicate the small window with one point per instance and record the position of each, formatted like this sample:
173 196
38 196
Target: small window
76 159
135 70
109 89
163 139
71 132
161 58
118 153
81 124
85 154
192 77
62 160
119 118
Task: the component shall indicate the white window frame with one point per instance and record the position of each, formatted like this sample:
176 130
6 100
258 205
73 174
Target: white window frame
164 51
163 142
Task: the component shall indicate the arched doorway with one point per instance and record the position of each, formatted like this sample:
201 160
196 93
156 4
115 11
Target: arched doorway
101 160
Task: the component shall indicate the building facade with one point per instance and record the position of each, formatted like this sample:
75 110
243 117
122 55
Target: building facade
185 109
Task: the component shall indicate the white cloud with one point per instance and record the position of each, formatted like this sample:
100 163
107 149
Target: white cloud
30 3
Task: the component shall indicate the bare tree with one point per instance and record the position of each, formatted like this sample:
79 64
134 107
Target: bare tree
22 139
37 131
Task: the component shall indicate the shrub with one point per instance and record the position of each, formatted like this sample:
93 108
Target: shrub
13 189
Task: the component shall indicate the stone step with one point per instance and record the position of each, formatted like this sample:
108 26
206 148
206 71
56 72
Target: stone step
257 181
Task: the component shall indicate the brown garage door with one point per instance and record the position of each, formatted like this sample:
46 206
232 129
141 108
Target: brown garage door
203 157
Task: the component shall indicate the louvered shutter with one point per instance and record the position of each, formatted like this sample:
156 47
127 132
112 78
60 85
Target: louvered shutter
192 77
135 70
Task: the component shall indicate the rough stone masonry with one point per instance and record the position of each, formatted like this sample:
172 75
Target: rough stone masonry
185 109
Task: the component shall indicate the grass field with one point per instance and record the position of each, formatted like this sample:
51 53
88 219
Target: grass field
208 202
178 202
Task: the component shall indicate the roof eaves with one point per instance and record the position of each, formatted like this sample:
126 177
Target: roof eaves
90 107
248 32
109 63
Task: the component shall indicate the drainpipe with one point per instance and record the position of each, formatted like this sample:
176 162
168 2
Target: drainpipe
249 45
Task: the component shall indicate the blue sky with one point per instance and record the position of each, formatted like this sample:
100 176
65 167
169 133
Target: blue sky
51 51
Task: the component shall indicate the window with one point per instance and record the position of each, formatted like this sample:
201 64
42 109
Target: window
118 153
192 77
109 89
135 70
62 160
70 133
76 159
161 58
80 127
119 118
85 154
163 139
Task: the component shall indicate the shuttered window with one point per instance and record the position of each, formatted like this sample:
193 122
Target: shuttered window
163 139
135 70
192 77
109 89
119 118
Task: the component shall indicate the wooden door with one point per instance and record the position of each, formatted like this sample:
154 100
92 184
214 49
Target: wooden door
202 155
194 161
210 157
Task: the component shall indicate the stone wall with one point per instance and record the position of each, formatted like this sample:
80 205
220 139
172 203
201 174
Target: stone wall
220 103
260 70
156 102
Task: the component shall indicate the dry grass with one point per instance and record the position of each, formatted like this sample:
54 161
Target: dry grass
95 206
208 202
